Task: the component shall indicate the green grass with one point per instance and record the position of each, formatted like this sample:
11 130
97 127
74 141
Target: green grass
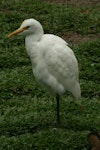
27 112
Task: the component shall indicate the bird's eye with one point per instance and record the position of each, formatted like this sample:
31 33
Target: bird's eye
26 27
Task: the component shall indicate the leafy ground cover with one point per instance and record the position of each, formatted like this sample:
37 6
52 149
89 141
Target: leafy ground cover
27 112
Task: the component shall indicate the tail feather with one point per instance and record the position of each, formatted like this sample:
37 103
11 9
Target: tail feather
76 91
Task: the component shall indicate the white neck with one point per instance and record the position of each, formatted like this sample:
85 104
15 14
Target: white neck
33 38
31 42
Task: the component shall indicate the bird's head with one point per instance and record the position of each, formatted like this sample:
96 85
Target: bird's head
28 26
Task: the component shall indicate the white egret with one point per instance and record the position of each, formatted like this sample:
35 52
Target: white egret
54 64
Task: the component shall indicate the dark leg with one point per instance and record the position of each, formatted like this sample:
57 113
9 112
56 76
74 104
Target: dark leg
58 117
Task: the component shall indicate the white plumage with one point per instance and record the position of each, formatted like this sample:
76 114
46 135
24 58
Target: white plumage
53 63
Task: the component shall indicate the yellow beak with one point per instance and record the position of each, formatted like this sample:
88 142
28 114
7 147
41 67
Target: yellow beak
19 30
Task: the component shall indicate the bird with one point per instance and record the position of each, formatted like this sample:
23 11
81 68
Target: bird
94 140
54 63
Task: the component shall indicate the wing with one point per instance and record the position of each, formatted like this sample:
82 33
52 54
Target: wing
62 64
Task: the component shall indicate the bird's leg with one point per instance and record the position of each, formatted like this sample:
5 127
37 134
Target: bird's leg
58 117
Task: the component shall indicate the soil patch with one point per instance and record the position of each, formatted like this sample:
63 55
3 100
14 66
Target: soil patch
75 2
75 38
